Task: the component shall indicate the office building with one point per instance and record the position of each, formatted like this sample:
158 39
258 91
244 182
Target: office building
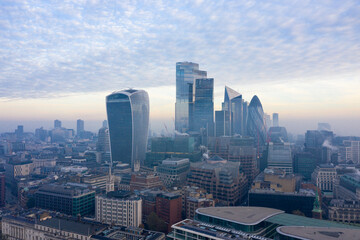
275 119
252 223
204 106
15 169
143 180
234 105
168 208
256 125
57 123
278 134
304 164
346 211
352 151
2 189
79 126
70 199
347 187
222 178
276 180
172 171
324 127
222 123
119 208
279 156
128 118
324 177
186 73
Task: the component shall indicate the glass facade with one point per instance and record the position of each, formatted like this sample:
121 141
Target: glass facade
128 119
256 123
204 105
234 104
186 73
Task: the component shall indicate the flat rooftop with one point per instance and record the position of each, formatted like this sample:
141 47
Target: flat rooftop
241 215
319 233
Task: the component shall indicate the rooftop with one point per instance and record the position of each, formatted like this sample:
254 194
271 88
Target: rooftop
241 215
72 226
319 233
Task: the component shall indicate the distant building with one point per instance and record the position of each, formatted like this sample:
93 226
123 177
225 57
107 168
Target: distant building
275 119
186 73
79 126
142 180
57 123
278 134
194 198
256 124
70 199
204 106
276 180
172 171
279 156
96 181
222 123
119 208
2 189
348 187
304 164
352 151
18 169
128 117
221 178
324 176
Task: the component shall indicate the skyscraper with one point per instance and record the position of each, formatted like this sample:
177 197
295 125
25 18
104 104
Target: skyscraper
79 126
234 104
186 73
204 105
275 119
256 123
128 119
57 123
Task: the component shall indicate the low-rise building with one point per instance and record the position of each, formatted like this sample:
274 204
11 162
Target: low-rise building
324 176
119 208
144 180
172 171
70 199
347 211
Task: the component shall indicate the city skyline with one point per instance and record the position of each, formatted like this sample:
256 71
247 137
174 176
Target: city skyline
59 61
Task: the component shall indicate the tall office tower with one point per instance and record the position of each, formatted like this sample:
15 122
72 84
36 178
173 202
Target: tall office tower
279 156
57 123
204 105
245 117
186 73
324 127
234 104
275 119
128 118
105 124
79 126
255 123
222 123
103 143
267 121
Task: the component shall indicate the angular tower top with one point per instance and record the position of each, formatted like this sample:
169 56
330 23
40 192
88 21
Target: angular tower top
230 94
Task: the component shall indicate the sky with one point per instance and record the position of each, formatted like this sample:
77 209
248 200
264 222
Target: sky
59 59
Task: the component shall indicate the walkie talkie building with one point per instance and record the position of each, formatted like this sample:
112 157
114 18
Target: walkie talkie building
128 119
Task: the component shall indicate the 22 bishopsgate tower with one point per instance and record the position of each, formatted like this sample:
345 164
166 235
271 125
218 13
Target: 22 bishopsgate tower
128 119
186 74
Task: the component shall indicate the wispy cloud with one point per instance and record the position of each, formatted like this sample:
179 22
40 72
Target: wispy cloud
50 49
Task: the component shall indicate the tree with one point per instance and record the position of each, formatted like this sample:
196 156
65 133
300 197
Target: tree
154 223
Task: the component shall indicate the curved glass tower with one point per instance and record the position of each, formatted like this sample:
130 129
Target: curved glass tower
256 123
128 119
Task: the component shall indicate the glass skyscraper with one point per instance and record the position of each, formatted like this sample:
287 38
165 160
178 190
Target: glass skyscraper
186 73
256 123
234 104
204 105
128 119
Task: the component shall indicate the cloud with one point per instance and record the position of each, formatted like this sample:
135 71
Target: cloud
89 46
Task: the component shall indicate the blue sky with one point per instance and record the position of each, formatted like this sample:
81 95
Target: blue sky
302 58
